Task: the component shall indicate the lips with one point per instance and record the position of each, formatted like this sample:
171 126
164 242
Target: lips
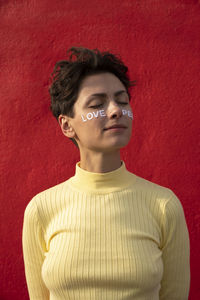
117 126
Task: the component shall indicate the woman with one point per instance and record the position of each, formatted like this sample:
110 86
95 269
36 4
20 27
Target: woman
105 233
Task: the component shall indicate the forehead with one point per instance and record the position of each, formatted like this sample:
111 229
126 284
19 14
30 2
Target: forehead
100 83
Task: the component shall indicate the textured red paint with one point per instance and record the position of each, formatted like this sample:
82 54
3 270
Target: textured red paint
159 40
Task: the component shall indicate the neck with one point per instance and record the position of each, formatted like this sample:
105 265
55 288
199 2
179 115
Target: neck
101 183
99 162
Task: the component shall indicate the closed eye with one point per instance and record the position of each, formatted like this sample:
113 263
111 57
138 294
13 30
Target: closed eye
123 103
96 106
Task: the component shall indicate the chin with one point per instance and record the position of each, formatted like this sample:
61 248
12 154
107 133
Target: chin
121 141
117 145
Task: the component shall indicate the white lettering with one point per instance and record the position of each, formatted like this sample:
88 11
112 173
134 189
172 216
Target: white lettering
102 113
96 114
124 112
83 118
90 116
130 114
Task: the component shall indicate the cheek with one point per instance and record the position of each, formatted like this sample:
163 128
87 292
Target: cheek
90 129
127 113
92 120
93 117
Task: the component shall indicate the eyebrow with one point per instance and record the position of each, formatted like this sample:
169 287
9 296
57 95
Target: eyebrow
104 95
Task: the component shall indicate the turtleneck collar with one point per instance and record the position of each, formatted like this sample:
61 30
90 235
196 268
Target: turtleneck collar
102 182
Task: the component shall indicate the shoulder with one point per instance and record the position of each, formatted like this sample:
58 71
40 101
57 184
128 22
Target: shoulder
158 196
163 203
148 187
44 199
52 190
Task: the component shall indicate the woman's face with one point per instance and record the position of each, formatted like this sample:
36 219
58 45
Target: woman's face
102 104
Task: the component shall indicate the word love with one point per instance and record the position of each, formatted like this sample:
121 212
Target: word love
101 113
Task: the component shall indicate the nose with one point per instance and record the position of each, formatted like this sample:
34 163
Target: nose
114 111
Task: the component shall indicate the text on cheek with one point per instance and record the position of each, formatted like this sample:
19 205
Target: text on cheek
101 113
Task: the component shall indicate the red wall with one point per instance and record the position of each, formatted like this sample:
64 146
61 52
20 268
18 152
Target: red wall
159 41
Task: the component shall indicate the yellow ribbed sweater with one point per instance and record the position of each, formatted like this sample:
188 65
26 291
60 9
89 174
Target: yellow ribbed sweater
106 236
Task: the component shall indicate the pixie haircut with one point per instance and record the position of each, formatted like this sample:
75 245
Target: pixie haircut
68 75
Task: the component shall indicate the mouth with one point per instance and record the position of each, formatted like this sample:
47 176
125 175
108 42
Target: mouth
116 127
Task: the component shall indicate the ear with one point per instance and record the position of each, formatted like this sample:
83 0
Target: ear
66 127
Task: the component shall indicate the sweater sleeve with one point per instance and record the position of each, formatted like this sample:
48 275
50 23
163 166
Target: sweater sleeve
33 252
175 252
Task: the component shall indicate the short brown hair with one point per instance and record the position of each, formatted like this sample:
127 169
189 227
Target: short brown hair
68 75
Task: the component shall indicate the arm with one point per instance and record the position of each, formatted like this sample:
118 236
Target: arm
175 252
33 252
